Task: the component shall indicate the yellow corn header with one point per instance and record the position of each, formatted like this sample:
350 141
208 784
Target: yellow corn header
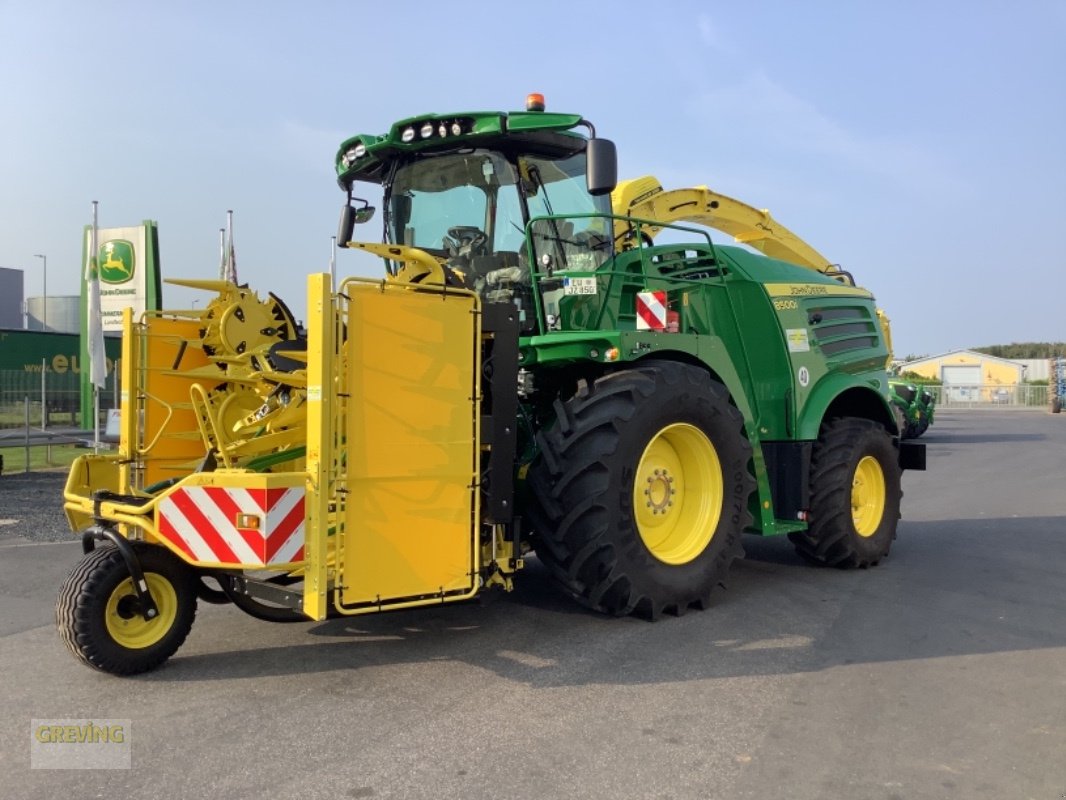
365 505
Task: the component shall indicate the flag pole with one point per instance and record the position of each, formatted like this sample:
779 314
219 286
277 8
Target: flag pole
97 333
231 254
222 254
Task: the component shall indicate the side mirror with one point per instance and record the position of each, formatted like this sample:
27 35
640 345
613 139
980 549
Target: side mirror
602 169
346 226
350 217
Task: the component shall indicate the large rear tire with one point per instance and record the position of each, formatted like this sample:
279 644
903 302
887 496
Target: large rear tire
97 616
855 496
640 490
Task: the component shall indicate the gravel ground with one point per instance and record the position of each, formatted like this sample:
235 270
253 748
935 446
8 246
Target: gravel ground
31 506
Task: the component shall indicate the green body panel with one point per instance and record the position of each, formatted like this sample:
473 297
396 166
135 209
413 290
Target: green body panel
836 346
785 359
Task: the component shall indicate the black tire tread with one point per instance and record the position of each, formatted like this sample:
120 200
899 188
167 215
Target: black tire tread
83 590
570 493
830 540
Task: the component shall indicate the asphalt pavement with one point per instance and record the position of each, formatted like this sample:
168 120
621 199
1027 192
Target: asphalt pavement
939 674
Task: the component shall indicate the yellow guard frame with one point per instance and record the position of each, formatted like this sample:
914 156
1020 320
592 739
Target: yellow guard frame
394 391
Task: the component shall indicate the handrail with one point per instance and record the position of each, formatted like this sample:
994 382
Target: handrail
202 408
143 451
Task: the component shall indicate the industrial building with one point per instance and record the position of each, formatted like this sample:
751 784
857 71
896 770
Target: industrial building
971 376
11 290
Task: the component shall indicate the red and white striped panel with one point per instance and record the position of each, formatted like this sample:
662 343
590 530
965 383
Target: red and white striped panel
202 521
651 311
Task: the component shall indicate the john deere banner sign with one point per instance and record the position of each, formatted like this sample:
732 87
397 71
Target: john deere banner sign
128 265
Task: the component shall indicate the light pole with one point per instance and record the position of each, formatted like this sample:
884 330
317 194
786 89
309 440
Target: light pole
44 313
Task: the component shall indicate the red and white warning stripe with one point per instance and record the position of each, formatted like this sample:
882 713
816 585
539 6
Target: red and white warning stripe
651 311
242 527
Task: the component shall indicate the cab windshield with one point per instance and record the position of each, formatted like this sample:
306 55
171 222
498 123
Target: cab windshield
472 210
476 204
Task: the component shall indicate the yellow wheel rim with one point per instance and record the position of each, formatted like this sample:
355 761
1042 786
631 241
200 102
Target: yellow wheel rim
677 493
127 627
868 496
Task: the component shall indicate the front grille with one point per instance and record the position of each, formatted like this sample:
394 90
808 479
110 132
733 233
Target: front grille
843 328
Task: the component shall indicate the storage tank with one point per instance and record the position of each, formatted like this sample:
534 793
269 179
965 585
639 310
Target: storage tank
64 313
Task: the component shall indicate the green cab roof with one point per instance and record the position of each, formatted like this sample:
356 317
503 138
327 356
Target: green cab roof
361 157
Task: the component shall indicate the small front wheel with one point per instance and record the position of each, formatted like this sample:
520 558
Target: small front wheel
98 616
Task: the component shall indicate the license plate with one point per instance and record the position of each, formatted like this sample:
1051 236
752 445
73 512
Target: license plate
580 286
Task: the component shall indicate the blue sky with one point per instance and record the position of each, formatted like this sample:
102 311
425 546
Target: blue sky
920 145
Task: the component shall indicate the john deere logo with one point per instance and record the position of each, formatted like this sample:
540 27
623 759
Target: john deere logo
116 261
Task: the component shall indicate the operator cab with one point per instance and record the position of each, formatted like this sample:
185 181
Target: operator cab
473 209
490 214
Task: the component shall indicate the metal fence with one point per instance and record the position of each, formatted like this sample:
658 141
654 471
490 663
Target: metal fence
40 409
990 396
53 398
